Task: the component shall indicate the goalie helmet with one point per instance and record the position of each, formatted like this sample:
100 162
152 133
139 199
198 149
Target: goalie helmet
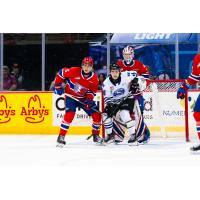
128 54
87 60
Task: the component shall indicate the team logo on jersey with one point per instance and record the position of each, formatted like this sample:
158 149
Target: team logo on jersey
5 110
79 89
119 92
36 111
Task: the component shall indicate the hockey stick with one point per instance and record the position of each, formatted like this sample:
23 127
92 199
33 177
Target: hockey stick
102 113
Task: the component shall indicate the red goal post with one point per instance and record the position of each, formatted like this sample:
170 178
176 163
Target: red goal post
165 91
164 114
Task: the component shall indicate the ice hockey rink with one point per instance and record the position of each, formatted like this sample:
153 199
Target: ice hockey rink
39 150
83 170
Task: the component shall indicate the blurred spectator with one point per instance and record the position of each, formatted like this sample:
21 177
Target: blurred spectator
52 83
101 77
103 70
9 81
17 73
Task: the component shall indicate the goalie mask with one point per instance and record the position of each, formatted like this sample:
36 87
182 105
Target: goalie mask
128 54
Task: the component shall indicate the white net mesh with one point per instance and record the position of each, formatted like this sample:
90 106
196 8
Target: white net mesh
164 113
164 86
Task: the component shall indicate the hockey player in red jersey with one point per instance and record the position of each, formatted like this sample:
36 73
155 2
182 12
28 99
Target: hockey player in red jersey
192 80
129 64
82 84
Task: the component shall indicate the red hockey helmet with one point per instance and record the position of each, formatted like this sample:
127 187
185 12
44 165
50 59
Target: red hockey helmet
87 60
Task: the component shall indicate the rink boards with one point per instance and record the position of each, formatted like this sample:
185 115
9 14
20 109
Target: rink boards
42 112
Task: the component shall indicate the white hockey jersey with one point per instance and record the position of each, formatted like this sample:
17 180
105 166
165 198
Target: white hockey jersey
114 93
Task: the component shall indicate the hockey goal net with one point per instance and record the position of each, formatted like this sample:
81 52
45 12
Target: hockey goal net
165 115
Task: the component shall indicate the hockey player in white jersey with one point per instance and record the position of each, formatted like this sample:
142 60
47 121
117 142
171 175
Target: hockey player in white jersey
120 90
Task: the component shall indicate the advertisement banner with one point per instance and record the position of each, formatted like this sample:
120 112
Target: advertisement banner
163 108
152 38
25 112
42 113
39 113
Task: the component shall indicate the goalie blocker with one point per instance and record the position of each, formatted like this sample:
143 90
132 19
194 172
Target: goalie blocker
120 106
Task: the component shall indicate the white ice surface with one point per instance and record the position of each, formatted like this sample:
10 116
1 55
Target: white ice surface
41 150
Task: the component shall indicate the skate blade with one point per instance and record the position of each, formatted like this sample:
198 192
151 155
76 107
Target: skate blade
118 142
60 145
144 142
109 142
193 152
133 144
100 144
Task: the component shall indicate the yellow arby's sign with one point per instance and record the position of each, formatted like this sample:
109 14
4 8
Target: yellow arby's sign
33 113
25 112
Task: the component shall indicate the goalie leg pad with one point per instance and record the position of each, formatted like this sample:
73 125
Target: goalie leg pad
126 118
140 127
119 131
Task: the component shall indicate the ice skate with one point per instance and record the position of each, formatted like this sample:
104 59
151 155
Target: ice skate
61 141
97 139
144 138
132 139
109 138
195 148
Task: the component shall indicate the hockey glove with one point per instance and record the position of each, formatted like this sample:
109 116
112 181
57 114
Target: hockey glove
58 89
134 87
88 103
182 91
109 109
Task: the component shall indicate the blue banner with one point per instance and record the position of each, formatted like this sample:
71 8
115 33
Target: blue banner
152 38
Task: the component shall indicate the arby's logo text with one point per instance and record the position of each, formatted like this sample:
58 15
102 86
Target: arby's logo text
35 111
6 110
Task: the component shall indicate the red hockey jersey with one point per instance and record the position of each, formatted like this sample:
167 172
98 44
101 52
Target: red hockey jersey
76 84
135 65
195 75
